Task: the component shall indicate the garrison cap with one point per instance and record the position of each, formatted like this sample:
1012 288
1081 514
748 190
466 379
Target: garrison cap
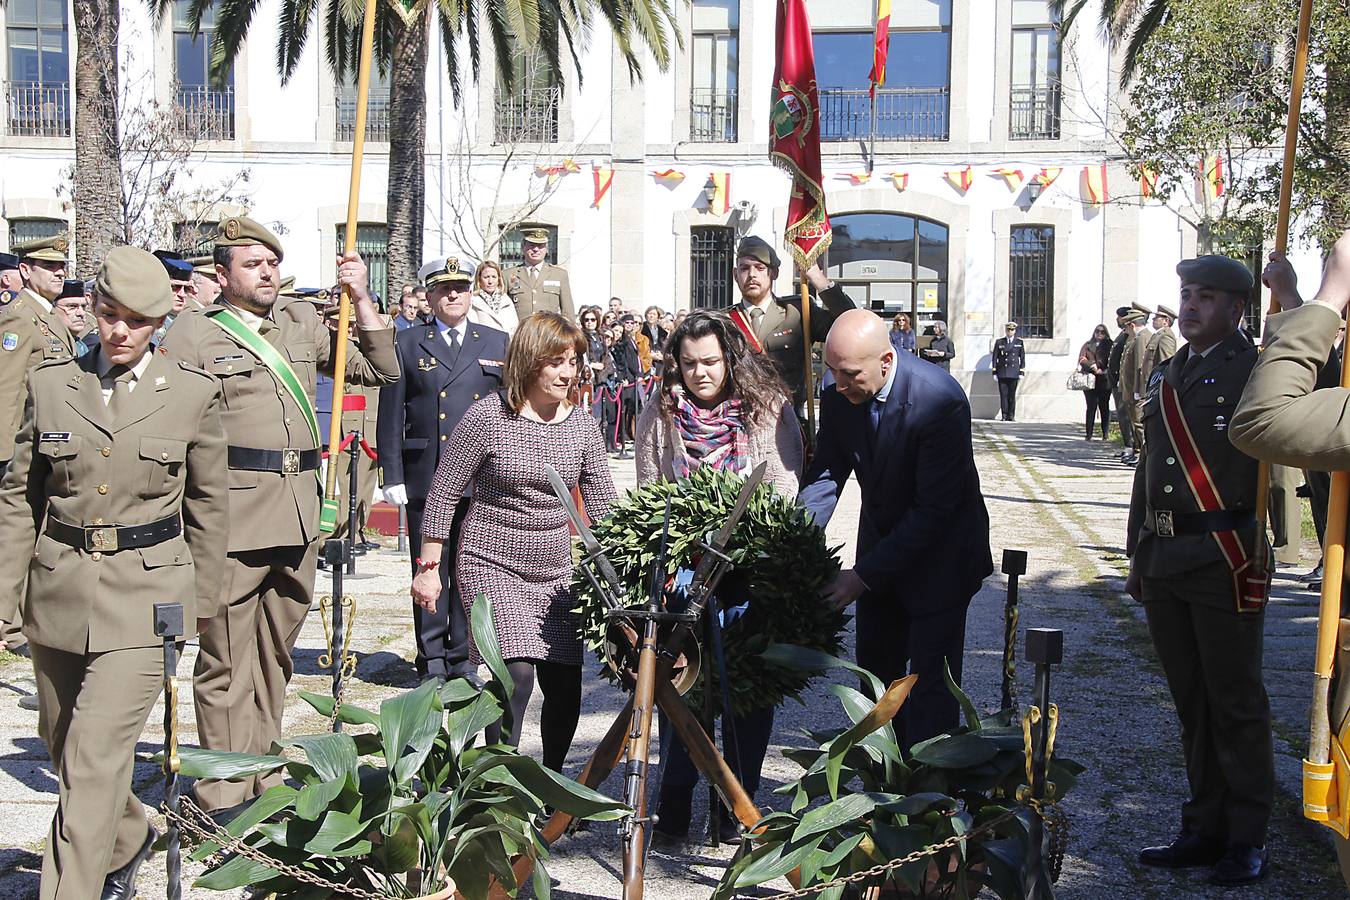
48 249
241 231
1139 307
8 261
444 270
1222 273
535 236
137 280
178 268
73 287
758 248
1167 311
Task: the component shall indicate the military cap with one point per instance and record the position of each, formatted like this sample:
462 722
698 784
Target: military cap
1166 311
8 261
241 231
1139 307
73 287
178 268
1122 311
287 287
48 249
758 248
444 270
1219 272
203 265
534 236
1135 318
136 280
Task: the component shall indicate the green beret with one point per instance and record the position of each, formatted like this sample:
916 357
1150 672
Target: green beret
1222 273
535 236
136 280
445 270
1167 311
241 231
1139 307
758 248
48 249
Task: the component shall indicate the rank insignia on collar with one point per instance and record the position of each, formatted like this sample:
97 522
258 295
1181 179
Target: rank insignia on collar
160 380
426 365
10 340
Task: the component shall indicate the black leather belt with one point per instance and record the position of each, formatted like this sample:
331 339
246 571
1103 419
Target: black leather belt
111 538
284 462
1166 523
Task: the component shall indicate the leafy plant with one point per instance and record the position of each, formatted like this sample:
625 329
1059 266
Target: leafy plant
409 805
861 802
784 597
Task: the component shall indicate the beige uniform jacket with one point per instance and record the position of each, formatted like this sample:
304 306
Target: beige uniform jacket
780 333
1162 345
269 509
550 292
1281 418
1129 366
29 335
164 454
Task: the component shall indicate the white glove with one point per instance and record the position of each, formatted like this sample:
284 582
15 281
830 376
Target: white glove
396 494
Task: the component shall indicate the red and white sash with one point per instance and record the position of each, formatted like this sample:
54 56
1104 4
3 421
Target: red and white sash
746 327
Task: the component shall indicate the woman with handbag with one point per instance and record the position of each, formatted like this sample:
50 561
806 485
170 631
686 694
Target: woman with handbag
1092 380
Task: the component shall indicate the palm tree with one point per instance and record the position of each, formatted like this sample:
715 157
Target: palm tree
401 40
98 162
1135 20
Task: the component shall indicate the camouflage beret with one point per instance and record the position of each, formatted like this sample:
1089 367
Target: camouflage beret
758 248
241 231
534 235
1219 272
136 280
48 249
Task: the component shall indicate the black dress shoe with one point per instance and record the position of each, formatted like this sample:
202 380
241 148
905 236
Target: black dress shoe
1189 849
673 809
729 828
1241 864
121 884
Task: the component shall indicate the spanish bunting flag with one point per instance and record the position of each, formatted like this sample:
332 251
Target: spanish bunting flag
881 48
1212 180
794 134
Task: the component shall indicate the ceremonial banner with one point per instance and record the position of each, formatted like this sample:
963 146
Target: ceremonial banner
1094 184
721 201
1212 177
1046 177
1148 182
669 177
882 46
603 177
961 179
1014 177
794 134
901 180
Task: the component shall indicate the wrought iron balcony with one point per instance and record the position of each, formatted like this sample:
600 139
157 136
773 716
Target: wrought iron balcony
903 114
528 116
37 109
712 115
1033 113
377 115
204 113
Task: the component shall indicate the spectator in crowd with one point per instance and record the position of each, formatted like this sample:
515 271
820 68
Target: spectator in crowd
667 322
424 310
593 363
941 351
516 548
616 307
1113 377
627 353
10 279
609 320
656 335
72 306
607 389
491 306
1010 364
902 334
407 315
1093 358
678 318
720 405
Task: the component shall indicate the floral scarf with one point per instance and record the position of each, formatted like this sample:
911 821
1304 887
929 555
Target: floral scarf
708 437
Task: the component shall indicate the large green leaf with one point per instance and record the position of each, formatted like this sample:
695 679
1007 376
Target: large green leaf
314 799
197 762
237 872
351 715
333 755
464 723
337 829
836 813
485 639
552 789
403 719
1005 862
269 802
958 751
808 660
973 721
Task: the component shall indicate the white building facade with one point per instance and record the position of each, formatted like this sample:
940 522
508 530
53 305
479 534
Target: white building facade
980 206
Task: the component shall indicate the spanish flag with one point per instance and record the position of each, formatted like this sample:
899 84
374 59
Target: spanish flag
1212 177
1014 177
1094 184
604 178
881 48
1148 182
669 177
901 180
721 202
1046 177
961 179
857 178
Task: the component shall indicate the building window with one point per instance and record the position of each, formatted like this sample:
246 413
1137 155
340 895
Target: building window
38 90
915 102
372 242
528 113
712 259
1034 101
377 109
23 230
1031 280
205 111
510 250
712 104
890 263
1244 242
195 238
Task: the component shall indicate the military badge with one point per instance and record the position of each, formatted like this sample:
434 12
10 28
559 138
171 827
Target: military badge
231 229
10 340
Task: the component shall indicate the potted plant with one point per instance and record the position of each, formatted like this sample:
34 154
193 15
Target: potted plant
404 804
861 802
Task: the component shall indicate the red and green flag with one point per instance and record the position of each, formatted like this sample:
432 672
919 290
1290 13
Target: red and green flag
881 47
794 134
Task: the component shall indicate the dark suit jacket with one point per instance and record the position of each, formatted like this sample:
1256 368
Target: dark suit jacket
420 410
1010 358
923 535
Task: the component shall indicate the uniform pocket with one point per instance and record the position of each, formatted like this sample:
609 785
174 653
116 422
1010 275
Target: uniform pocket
164 458
48 551
61 457
235 373
170 553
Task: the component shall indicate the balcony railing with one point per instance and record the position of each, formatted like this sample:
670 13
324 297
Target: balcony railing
712 115
903 114
35 109
204 113
529 116
377 115
1034 113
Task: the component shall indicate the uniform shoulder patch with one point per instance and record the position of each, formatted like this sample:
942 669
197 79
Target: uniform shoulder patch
9 341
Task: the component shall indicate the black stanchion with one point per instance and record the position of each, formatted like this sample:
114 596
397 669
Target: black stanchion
353 516
402 529
335 553
169 626
710 726
1045 648
1014 564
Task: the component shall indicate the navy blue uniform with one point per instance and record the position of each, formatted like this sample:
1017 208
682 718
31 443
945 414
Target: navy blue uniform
417 415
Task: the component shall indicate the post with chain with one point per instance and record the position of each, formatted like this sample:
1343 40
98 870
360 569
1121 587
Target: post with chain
353 516
1045 648
1014 565
335 551
170 628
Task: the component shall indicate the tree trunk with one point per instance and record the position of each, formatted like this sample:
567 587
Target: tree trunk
406 204
1337 211
99 219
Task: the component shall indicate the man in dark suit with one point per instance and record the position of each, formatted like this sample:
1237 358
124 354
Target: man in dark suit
447 366
1010 362
903 426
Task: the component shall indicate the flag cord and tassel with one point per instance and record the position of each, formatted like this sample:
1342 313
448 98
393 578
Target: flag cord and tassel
809 369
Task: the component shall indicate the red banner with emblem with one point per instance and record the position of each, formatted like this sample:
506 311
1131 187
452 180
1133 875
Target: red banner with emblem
794 134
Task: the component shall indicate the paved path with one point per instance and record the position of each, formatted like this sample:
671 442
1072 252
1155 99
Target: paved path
1048 492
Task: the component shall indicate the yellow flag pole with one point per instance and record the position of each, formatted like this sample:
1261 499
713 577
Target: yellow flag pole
349 244
810 369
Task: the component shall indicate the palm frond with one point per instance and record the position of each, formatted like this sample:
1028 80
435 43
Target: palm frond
451 19
292 33
233 18
499 29
1152 21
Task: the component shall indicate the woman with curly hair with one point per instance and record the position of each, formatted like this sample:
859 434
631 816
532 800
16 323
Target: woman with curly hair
722 405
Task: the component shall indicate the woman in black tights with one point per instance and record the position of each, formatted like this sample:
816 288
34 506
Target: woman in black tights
1093 359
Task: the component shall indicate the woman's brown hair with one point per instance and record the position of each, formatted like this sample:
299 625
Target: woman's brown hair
478 275
751 376
540 338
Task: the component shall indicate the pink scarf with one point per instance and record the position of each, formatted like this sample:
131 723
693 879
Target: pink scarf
708 437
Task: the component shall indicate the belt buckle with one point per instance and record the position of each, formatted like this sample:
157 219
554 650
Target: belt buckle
1163 523
290 461
102 540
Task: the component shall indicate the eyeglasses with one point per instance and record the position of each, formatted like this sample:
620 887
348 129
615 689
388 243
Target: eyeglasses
588 318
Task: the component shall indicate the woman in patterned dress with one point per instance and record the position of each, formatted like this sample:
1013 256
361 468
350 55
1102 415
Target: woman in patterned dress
516 547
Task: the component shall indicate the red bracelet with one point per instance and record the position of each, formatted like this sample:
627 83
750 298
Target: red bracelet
425 565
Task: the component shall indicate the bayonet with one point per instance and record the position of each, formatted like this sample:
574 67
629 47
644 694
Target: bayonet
597 568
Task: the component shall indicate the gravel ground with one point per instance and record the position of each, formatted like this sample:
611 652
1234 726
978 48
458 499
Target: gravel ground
1048 492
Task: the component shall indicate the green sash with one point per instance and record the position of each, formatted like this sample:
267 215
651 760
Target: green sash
281 370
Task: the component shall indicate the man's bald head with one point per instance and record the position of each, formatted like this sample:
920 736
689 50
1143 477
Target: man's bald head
858 353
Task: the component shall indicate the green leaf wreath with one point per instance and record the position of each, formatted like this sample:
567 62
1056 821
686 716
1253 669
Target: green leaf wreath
782 564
